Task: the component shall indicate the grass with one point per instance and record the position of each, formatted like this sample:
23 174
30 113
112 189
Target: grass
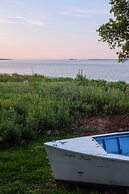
26 170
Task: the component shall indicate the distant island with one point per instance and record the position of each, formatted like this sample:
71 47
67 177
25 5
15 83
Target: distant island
4 59
102 59
71 59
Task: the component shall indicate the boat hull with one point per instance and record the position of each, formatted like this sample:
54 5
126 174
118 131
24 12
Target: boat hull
79 167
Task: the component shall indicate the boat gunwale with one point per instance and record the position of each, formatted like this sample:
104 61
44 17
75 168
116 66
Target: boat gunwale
103 156
109 134
106 155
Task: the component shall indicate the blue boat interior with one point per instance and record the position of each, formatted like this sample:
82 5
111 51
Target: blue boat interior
115 144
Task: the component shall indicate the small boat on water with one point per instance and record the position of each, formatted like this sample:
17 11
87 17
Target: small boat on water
97 159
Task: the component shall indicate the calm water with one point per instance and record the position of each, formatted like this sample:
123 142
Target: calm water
109 70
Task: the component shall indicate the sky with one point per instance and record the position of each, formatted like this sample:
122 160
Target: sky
51 29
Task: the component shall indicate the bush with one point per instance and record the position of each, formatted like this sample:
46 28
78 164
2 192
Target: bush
42 104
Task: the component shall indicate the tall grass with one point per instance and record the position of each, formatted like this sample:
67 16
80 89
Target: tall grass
32 105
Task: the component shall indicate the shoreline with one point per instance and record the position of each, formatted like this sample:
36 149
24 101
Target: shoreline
9 75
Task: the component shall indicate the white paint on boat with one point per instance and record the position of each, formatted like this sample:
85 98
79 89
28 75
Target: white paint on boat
84 160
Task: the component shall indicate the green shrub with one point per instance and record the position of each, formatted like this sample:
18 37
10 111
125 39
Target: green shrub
42 104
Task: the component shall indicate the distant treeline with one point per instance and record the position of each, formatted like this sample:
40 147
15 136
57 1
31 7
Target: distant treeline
5 59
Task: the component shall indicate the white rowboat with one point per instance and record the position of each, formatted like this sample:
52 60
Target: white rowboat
100 159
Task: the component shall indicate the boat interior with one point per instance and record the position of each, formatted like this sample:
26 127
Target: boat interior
115 144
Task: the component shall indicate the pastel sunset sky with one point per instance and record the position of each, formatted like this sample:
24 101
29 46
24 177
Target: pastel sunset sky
38 29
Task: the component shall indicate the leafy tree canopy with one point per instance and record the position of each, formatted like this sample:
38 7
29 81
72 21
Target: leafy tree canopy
116 31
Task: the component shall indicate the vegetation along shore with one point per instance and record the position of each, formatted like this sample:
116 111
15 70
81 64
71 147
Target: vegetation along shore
35 109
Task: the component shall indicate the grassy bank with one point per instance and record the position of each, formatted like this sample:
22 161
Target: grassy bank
32 105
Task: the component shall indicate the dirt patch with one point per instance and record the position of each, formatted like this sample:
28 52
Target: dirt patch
100 125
